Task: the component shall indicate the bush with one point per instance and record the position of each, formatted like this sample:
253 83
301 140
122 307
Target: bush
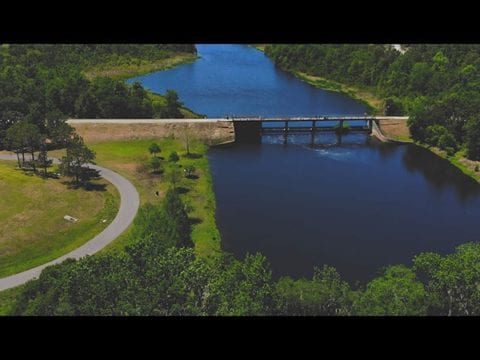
156 165
447 142
173 157
393 106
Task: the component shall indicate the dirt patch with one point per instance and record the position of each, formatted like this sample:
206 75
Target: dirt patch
212 133
395 129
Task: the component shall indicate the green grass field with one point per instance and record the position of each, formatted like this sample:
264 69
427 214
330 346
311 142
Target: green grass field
130 158
124 68
32 228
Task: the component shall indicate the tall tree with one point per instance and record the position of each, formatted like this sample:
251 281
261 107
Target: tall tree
43 161
77 156
173 105
396 292
452 281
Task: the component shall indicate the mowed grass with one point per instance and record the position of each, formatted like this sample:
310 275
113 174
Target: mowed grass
32 228
130 158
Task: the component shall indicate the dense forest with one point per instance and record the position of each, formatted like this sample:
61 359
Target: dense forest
159 274
437 85
44 84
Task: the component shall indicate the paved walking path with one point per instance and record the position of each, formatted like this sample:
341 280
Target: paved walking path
129 203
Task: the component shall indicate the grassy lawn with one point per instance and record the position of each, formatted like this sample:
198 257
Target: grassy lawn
32 228
135 66
130 159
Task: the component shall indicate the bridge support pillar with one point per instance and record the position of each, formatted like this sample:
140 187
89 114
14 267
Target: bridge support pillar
370 125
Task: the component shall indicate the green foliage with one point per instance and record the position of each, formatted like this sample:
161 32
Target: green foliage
173 157
452 281
189 171
154 149
173 105
173 176
473 138
241 287
393 106
396 292
155 164
77 156
325 294
44 85
178 225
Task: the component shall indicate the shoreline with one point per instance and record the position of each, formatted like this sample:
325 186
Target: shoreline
458 160
123 72
372 102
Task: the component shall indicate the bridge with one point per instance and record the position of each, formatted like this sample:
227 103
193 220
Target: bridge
250 128
228 129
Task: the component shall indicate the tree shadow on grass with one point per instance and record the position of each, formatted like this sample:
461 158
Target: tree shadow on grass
192 177
85 181
193 156
195 221
87 186
181 190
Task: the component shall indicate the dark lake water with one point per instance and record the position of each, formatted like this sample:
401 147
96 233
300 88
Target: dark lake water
358 207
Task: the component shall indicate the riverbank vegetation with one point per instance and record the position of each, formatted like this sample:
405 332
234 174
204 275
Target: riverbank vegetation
127 67
132 158
437 85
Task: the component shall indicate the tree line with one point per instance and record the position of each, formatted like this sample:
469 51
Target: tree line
437 85
44 84
160 274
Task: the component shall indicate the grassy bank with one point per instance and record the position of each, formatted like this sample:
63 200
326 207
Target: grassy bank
365 96
32 228
260 47
373 103
186 112
459 159
130 158
131 67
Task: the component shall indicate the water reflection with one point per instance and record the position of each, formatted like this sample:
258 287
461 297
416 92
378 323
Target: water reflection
439 173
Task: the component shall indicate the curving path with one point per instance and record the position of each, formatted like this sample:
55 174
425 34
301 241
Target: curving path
129 203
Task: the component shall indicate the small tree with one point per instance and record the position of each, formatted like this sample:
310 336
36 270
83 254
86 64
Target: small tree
78 155
43 161
154 149
156 165
189 171
173 105
174 176
173 157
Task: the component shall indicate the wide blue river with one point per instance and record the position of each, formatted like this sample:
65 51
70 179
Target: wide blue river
358 205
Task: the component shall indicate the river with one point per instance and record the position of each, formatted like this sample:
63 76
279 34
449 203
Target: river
358 206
